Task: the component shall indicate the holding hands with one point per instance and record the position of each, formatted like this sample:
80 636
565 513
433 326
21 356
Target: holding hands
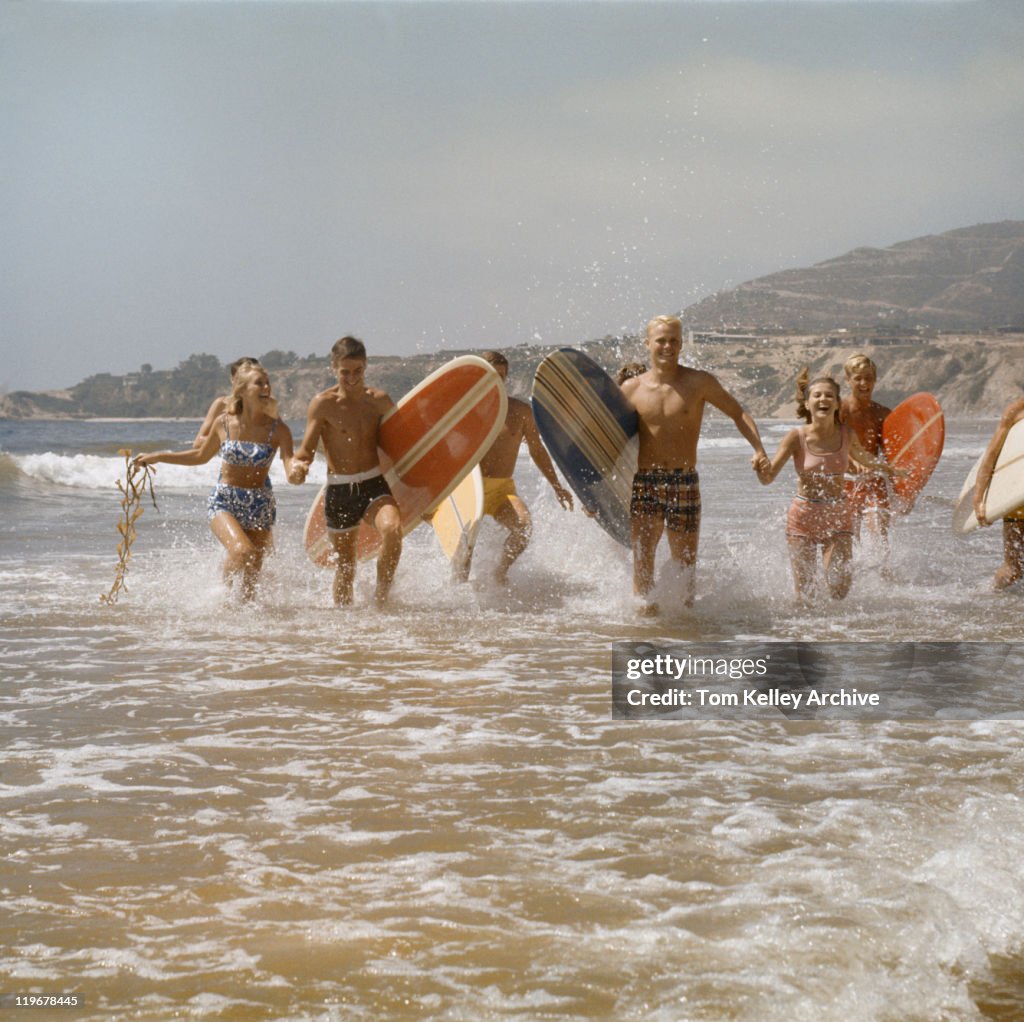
762 466
297 471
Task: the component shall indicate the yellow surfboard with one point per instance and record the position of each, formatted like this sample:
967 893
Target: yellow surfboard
457 520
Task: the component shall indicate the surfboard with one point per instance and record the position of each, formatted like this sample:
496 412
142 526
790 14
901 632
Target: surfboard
913 434
1005 492
457 521
590 429
429 442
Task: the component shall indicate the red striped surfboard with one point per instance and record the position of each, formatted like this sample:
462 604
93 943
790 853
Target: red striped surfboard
429 442
913 434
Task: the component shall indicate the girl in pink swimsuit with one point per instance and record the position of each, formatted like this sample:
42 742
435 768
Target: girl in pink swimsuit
821 514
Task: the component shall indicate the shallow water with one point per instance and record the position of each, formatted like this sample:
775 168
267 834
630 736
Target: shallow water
290 811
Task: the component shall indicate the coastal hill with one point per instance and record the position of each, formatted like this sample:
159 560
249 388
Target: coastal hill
943 314
966 279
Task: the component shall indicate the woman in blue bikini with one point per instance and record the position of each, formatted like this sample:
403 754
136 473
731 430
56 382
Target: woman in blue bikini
241 508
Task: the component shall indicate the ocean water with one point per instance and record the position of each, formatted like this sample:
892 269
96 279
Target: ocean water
290 811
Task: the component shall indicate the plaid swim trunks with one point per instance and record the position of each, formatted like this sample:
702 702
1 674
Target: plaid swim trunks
672 494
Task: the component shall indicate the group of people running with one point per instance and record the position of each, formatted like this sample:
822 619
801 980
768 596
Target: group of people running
837 453
345 419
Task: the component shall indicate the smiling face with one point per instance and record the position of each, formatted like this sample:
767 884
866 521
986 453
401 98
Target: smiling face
253 386
664 342
862 383
251 390
822 399
256 389
350 372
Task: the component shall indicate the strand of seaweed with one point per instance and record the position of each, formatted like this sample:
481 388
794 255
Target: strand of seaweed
138 478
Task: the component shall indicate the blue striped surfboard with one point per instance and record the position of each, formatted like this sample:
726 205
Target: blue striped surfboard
590 429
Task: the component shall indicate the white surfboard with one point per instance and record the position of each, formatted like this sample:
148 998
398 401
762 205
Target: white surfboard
1006 492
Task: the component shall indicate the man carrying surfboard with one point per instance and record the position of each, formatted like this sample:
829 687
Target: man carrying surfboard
669 399
346 418
1012 568
501 501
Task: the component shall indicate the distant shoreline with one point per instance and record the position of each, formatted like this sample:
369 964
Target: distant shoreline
105 418
138 418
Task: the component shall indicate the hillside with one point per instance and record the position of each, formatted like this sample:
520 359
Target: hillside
971 374
967 279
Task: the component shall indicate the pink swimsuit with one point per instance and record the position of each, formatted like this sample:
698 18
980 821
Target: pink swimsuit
820 521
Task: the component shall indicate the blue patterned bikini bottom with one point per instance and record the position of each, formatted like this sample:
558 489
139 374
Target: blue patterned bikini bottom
251 508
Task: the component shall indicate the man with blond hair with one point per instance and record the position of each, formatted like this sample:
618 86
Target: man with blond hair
868 492
670 399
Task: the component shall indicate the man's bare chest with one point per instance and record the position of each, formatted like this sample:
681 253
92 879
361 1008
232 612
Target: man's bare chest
668 406
345 420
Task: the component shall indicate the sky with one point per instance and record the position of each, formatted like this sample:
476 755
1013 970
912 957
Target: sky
234 178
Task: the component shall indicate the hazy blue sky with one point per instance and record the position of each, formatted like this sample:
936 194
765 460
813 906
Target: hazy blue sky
232 178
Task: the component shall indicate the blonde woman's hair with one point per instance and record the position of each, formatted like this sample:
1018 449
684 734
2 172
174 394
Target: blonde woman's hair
803 388
241 379
245 360
859 361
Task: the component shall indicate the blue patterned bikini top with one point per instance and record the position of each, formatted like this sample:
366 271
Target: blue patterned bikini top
248 453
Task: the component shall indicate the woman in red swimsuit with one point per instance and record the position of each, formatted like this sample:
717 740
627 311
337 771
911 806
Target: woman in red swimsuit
821 514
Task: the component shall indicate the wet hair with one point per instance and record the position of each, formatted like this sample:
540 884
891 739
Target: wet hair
243 375
496 358
803 388
245 360
348 347
671 321
857 362
628 371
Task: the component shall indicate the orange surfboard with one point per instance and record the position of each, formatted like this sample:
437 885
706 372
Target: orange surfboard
912 437
429 442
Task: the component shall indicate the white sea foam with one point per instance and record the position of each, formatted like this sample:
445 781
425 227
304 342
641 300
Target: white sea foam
94 472
433 804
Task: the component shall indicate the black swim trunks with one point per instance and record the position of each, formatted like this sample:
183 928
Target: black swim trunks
346 503
672 494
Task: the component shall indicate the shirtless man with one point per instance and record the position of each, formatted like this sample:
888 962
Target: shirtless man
501 501
868 493
1012 567
670 399
347 418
